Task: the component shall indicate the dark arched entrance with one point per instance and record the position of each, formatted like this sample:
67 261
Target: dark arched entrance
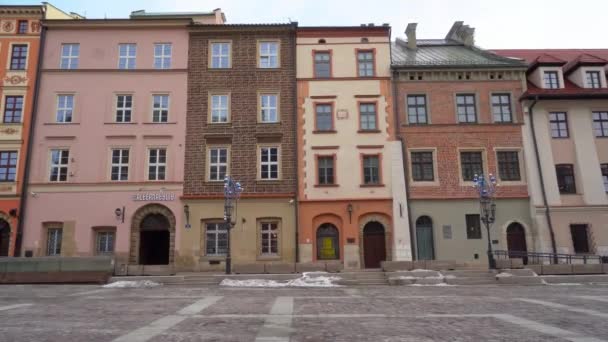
5 237
516 241
424 238
374 246
154 240
328 242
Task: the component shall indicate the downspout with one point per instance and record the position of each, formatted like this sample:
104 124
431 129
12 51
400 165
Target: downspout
30 144
397 114
295 113
542 181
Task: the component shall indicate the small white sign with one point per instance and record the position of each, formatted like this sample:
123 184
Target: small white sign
154 196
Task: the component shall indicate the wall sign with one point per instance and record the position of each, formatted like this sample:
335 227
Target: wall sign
447 232
154 196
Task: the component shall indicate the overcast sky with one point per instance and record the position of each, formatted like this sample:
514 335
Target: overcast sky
499 24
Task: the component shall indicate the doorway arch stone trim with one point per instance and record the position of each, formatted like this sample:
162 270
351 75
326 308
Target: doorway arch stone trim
384 220
138 216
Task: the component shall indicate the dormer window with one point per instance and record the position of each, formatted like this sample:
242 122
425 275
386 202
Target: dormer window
593 79
551 79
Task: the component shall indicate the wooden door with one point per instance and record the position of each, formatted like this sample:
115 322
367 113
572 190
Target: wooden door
516 238
374 249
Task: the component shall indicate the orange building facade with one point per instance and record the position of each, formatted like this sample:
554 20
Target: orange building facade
19 47
350 182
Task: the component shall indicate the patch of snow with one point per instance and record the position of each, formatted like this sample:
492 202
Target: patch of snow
504 275
422 270
440 284
308 279
405 277
449 276
563 284
131 284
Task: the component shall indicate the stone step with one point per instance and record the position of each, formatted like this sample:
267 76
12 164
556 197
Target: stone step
522 272
471 281
469 274
361 276
520 280
578 279
361 282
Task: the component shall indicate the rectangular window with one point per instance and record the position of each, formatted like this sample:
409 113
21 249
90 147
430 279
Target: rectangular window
365 63
59 165
13 109
324 117
580 238
325 166
269 54
269 108
501 107
22 27
593 79
105 242
120 164
565 178
508 165
217 239
220 55
19 57
124 107
70 54
53 243
467 110
65 108
162 56
551 79
600 124
322 64
416 109
218 163
371 170
8 166
422 166
126 56
605 175
270 238
472 164
559 124
157 164
367 116
160 108
219 108
269 163
473 222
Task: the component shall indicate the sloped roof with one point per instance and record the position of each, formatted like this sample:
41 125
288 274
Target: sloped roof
442 53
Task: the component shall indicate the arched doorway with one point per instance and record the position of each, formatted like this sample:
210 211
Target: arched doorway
328 242
154 240
516 240
424 238
152 236
5 237
374 248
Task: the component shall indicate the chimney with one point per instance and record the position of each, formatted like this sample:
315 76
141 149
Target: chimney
220 17
462 33
410 32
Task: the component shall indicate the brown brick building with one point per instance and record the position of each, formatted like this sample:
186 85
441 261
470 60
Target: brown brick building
241 122
458 115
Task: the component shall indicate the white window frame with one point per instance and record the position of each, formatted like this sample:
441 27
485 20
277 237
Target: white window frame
59 165
55 249
129 58
223 54
162 107
155 151
163 59
72 59
265 54
122 109
266 229
120 164
217 163
220 228
268 107
269 163
223 106
63 108
108 247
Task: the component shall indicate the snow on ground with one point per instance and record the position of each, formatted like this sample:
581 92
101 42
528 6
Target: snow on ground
504 275
308 279
130 284
439 284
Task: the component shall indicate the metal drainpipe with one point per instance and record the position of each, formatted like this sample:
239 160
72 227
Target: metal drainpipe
295 113
397 115
542 181
28 158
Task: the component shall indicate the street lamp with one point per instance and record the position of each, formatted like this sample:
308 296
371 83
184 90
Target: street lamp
486 189
232 192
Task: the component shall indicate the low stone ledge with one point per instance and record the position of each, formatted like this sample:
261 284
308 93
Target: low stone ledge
310 267
429 281
520 280
334 266
557 269
279 268
249 268
396 281
587 269
392 266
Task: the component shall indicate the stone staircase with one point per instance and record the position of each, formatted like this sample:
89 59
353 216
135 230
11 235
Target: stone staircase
362 278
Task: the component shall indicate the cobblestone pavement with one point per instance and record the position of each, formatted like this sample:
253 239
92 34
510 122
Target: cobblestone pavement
382 313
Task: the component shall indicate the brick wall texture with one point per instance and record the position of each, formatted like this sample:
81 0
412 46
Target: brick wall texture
243 80
448 136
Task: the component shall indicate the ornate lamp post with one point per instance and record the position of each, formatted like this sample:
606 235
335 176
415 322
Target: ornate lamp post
232 192
486 189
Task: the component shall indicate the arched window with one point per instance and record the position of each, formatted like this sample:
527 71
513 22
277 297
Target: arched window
364 40
328 242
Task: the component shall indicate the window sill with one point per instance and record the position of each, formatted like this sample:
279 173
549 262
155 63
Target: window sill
278 68
61 123
12 124
371 185
327 185
268 181
569 194
218 69
120 123
274 123
329 131
213 258
160 123
268 257
424 183
369 131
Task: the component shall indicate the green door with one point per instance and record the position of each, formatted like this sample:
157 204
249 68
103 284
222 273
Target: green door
424 238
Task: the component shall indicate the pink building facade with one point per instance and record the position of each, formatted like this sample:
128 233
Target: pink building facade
108 148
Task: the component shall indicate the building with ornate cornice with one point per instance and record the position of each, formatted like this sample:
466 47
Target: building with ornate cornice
19 48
